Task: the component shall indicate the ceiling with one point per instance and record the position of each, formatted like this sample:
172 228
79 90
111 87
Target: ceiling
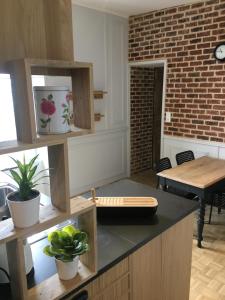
127 8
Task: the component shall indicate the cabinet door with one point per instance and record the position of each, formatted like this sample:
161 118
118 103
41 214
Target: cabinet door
145 268
176 260
161 269
114 284
118 290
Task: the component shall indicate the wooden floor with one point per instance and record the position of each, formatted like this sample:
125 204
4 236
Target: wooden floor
208 264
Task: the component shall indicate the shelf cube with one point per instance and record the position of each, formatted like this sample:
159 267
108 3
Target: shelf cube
81 75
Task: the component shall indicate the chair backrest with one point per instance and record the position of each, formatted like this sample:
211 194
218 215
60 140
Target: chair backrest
185 156
163 164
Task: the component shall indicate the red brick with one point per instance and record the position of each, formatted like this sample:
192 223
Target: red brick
186 36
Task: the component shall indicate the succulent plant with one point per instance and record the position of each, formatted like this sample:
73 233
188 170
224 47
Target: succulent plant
67 243
26 177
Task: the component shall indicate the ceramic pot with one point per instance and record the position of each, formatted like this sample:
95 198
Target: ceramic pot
52 109
24 213
67 270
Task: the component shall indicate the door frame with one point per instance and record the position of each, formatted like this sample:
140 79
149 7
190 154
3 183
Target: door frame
147 63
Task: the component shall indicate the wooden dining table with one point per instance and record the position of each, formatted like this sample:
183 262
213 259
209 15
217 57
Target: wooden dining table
202 177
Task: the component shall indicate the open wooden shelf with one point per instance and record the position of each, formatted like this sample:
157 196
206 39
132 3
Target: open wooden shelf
49 216
81 74
16 146
53 287
54 137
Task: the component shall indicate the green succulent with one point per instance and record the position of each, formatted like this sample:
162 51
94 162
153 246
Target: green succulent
26 177
67 243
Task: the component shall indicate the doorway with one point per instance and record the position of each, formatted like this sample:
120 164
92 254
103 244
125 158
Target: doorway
146 114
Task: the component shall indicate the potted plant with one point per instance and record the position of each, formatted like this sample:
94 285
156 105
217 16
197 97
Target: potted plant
66 245
24 203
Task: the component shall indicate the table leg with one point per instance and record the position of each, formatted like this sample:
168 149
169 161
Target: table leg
162 183
201 217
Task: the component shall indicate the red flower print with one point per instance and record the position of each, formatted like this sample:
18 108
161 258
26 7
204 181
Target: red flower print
48 106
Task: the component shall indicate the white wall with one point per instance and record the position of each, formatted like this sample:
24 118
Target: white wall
100 158
173 145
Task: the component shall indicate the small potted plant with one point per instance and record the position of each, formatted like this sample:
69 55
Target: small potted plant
66 245
24 203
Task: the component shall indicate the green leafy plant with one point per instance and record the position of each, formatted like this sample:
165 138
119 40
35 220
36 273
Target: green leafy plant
26 177
67 243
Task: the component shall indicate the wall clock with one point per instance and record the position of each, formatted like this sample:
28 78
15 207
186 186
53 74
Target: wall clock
219 52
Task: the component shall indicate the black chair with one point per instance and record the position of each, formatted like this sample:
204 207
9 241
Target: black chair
217 201
185 156
163 164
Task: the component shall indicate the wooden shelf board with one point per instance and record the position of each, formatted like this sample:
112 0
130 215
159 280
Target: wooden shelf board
49 216
41 141
56 63
54 137
80 205
15 146
54 288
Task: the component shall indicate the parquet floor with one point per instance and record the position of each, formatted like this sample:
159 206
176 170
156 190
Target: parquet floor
208 264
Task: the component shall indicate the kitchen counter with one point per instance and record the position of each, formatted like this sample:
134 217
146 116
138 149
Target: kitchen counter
118 239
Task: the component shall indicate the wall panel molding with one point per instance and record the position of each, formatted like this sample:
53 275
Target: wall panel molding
97 160
173 145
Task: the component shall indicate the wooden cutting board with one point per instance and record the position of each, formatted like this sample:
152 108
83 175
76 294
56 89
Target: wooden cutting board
124 206
125 202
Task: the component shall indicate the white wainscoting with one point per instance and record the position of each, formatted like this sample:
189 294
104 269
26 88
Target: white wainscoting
97 159
173 145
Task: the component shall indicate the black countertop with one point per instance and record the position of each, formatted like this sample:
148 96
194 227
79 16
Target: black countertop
117 239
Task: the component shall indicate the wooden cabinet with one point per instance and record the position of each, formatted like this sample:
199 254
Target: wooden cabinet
176 260
146 271
160 270
111 285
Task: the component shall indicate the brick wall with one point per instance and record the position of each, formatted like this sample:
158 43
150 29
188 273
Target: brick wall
141 98
186 37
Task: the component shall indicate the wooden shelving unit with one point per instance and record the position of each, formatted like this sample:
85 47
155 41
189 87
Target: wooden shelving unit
53 287
60 207
49 43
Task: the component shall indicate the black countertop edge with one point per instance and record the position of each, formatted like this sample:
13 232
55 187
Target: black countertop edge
129 252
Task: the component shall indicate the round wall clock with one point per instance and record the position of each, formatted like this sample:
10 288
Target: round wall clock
219 52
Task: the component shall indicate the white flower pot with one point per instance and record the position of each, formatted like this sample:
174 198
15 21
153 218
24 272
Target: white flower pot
52 109
24 213
67 270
